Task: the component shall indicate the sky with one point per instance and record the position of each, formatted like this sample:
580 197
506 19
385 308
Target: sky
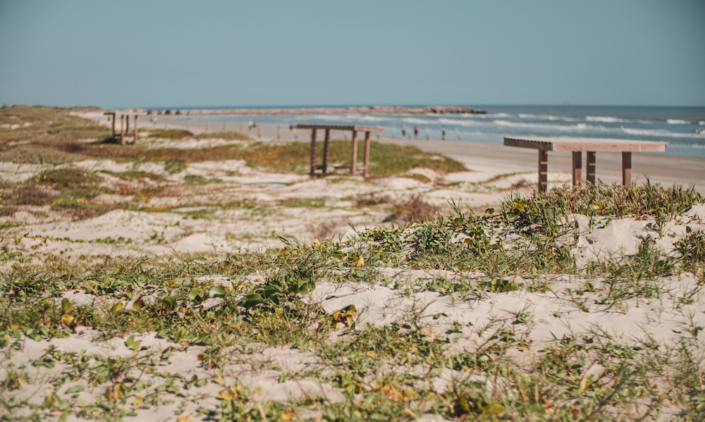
297 53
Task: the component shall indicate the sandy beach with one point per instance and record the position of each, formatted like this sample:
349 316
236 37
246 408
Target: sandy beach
496 158
210 277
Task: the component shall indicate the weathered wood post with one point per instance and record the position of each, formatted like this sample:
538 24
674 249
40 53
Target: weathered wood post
591 164
543 170
127 125
278 132
325 152
626 168
367 154
577 167
136 136
113 115
122 128
313 152
353 164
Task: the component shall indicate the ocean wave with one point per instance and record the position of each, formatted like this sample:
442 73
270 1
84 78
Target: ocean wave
415 121
581 127
702 122
694 146
661 132
466 123
677 122
547 117
604 119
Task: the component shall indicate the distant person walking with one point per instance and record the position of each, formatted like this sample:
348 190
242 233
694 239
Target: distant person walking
443 133
291 128
403 131
416 132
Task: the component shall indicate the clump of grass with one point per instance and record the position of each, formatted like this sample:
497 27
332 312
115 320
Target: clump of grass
413 209
174 165
227 136
67 178
371 199
304 202
29 195
169 134
31 154
692 246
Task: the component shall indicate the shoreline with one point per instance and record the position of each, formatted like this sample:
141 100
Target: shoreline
492 156
318 110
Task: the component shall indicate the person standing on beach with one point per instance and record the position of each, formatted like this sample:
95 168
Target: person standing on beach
416 131
403 131
443 133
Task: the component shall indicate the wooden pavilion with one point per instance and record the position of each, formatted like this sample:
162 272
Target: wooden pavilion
322 170
124 135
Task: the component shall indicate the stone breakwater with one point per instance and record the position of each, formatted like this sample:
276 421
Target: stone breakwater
347 110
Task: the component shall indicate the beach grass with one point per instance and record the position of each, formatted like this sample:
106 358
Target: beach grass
167 297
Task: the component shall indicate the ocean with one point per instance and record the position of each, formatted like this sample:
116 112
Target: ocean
683 128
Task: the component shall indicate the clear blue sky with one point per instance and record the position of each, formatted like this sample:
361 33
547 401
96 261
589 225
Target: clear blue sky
219 53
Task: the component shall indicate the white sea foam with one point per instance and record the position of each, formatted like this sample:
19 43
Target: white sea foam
702 122
563 128
694 146
466 123
677 122
604 119
546 117
661 132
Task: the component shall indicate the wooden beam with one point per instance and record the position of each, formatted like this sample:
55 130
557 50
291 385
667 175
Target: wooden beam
313 152
626 168
325 152
367 154
353 161
577 167
543 170
122 128
342 127
591 166
127 125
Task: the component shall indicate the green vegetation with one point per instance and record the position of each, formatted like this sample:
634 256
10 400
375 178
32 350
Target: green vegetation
167 133
383 372
228 136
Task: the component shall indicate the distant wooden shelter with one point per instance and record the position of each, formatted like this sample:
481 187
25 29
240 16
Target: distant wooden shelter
577 146
124 136
322 170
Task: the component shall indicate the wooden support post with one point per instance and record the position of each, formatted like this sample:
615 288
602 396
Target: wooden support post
127 125
136 135
367 153
122 128
113 115
577 167
325 152
313 152
626 168
590 164
278 133
543 170
353 161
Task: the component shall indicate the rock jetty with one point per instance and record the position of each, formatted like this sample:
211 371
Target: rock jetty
321 110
